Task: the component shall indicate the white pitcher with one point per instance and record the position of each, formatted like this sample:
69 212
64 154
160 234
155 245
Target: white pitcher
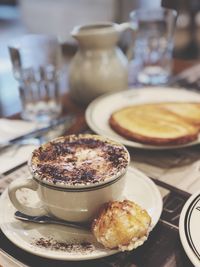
99 65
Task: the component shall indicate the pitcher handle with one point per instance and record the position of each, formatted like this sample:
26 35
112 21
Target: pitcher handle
128 26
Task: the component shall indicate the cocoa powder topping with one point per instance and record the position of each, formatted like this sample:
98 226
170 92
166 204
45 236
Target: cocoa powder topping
76 160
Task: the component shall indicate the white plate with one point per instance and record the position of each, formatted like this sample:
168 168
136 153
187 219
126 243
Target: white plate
139 188
99 111
189 224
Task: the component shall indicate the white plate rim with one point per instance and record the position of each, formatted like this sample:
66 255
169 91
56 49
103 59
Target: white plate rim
190 203
39 252
138 92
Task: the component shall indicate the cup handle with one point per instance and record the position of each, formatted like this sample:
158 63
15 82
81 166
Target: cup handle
30 184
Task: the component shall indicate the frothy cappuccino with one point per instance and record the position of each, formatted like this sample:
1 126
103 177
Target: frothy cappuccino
78 160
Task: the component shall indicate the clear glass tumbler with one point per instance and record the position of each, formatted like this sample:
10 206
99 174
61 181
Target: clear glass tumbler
36 62
153 44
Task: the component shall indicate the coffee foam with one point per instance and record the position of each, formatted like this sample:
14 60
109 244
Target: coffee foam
79 160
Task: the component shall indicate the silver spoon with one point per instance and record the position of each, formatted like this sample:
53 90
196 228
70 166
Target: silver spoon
48 220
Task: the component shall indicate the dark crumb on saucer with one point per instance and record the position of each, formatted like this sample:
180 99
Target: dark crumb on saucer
55 245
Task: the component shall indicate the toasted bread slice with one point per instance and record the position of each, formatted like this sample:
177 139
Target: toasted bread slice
188 111
152 124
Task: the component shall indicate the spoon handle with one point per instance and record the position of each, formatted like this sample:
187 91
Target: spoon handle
48 220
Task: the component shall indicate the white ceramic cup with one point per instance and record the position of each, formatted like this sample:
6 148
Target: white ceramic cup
69 202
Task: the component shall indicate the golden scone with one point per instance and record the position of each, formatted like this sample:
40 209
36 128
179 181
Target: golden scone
153 124
121 225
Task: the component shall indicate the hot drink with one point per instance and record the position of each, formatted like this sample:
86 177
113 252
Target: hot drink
78 160
73 177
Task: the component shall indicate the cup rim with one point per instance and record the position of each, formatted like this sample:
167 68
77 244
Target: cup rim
61 185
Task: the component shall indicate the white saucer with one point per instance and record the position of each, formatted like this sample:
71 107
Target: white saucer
189 231
100 110
139 188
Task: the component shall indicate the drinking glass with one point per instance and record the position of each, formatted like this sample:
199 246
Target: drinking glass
153 44
36 62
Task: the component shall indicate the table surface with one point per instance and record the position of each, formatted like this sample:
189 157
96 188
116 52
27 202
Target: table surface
163 247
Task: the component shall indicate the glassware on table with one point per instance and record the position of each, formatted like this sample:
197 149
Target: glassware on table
153 45
187 32
36 62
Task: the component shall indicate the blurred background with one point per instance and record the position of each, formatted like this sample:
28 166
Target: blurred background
59 17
